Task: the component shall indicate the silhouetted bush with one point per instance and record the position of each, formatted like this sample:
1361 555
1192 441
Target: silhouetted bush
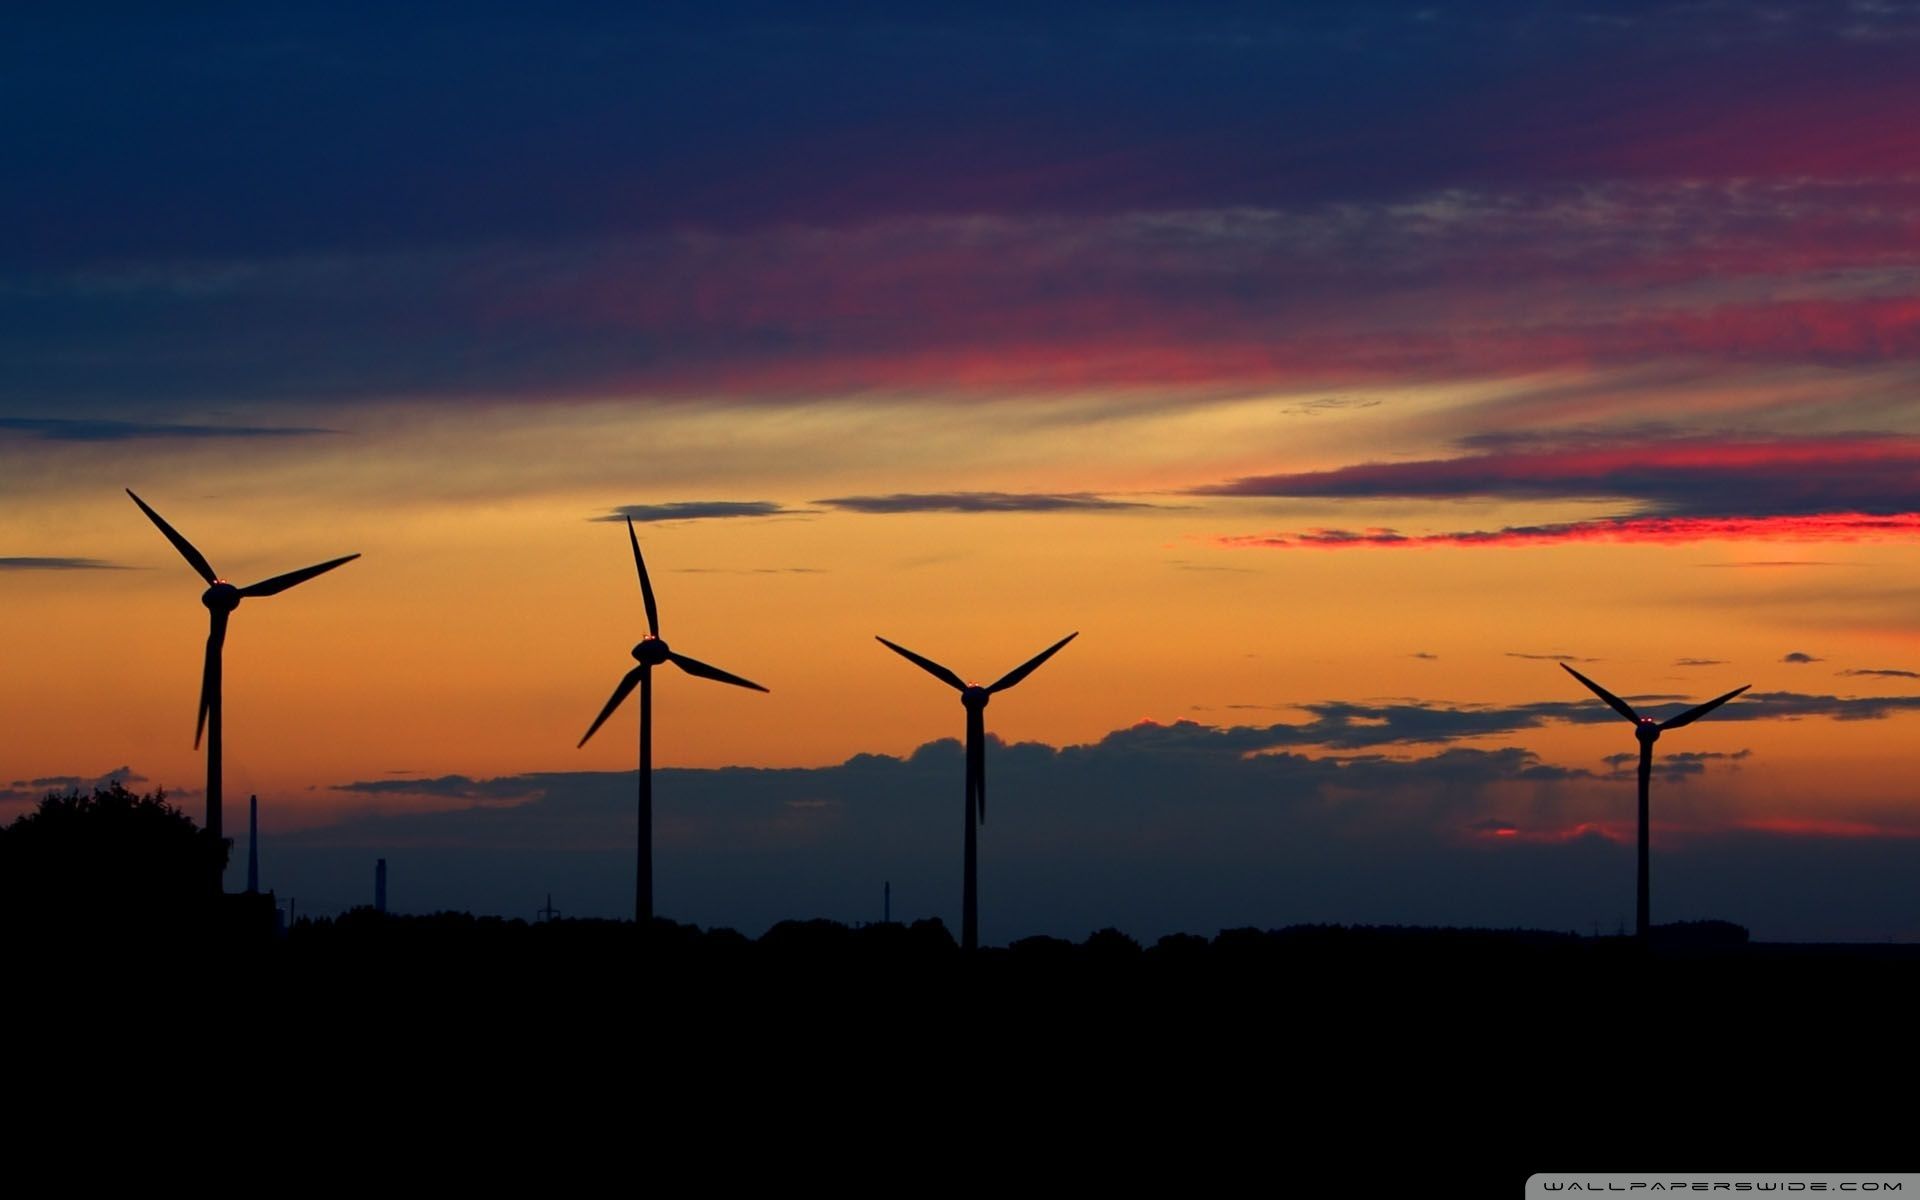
1178 950
1110 943
930 936
725 942
1041 949
108 864
817 938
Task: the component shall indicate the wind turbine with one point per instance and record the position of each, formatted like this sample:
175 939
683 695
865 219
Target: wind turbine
1648 731
650 652
974 698
221 598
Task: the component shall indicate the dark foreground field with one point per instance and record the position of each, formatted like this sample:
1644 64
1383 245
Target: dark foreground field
882 1056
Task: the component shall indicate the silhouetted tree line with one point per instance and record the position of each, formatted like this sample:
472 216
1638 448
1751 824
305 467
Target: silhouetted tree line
112 867
827 948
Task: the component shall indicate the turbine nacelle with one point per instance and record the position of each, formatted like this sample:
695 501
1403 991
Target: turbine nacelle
975 697
651 651
1647 730
221 597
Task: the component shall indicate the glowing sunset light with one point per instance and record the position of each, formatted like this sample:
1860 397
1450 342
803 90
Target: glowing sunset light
978 332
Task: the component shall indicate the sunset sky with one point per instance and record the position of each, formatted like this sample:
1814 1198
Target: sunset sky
1336 371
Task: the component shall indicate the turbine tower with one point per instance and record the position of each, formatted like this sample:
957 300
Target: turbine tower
1648 731
253 844
974 698
650 652
221 598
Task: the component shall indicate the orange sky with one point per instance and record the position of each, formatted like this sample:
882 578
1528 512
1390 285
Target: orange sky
489 617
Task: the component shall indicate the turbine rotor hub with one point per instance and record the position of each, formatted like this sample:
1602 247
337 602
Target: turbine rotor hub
975 696
651 651
1647 730
221 597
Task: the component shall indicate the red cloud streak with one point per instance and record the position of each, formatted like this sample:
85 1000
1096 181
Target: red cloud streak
1652 468
1845 488
1824 527
1825 827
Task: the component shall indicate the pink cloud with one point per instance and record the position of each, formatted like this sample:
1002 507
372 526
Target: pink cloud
1826 527
1844 488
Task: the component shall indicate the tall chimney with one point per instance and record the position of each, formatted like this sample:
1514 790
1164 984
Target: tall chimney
380 885
253 845
886 907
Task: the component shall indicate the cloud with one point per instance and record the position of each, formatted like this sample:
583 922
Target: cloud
1883 672
1215 298
1675 767
32 791
1154 828
457 787
1078 130
750 570
1009 213
980 502
1660 531
1699 662
23 563
1798 656
1850 487
1765 706
1345 725
1297 747
1325 404
1564 658
1680 476
1044 796
700 510
65 429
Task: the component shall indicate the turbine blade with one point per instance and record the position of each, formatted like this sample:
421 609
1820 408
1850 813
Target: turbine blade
210 671
646 585
694 666
1700 710
925 664
280 583
195 559
620 692
1027 668
1614 702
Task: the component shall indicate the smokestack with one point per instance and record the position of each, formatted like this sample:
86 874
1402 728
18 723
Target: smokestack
380 886
253 845
886 908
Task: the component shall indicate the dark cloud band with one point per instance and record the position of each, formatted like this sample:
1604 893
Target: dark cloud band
1843 488
29 563
700 510
980 502
52 429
